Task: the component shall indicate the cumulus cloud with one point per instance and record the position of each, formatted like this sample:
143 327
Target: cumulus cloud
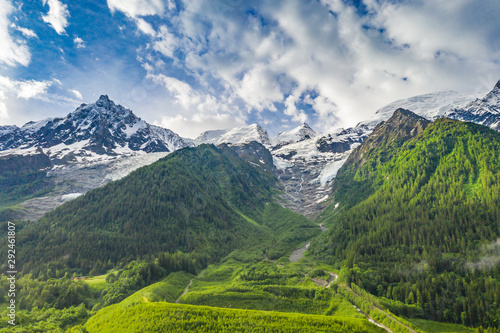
80 43
12 51
325 54
192 126
166 42
20 89
57 17
24 89
4 113
30 89
259 88
28 33
135 8
145 27
76 93
291 110
181 91
197 112
293 61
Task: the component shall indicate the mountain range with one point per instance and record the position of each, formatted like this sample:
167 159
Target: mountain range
102 141
397 216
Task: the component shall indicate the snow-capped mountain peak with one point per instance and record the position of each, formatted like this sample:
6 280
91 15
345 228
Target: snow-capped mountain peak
102 127
237 135
484 111
493 97
105 102
430 106
7 129
455 105
300 133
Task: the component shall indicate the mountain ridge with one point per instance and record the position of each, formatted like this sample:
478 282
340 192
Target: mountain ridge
102 127
237 135
416 212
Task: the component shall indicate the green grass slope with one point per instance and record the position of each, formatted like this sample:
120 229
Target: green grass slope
237 292
167 317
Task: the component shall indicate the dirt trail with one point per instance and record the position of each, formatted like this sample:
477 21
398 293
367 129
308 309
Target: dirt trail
297 254
189 285
323 228
322 283
371 320
387 314
332 279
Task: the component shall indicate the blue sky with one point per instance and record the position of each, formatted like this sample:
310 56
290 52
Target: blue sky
195 65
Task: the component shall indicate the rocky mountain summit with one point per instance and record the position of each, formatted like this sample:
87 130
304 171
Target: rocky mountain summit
102 127
237 135
484 111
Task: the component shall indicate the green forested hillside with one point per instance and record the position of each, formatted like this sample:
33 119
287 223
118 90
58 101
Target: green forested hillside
183 202
423 229
22 177
203 199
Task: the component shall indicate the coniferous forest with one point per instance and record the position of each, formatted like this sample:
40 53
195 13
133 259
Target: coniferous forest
423 232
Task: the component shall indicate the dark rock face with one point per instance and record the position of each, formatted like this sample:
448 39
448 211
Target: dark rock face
402 126
343 141
254 153
324 145
288 156
21 164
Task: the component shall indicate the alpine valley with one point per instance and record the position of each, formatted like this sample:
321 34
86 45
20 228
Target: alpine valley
123 226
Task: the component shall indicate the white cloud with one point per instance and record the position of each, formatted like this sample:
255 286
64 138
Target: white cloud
4 113
166 42
180 90
12 51
24 89
291 110
145 27
316 61
135 8
192 126
80 43
77 94
259 88
57 16
20 89
28 33
351 65
196 111
31 89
